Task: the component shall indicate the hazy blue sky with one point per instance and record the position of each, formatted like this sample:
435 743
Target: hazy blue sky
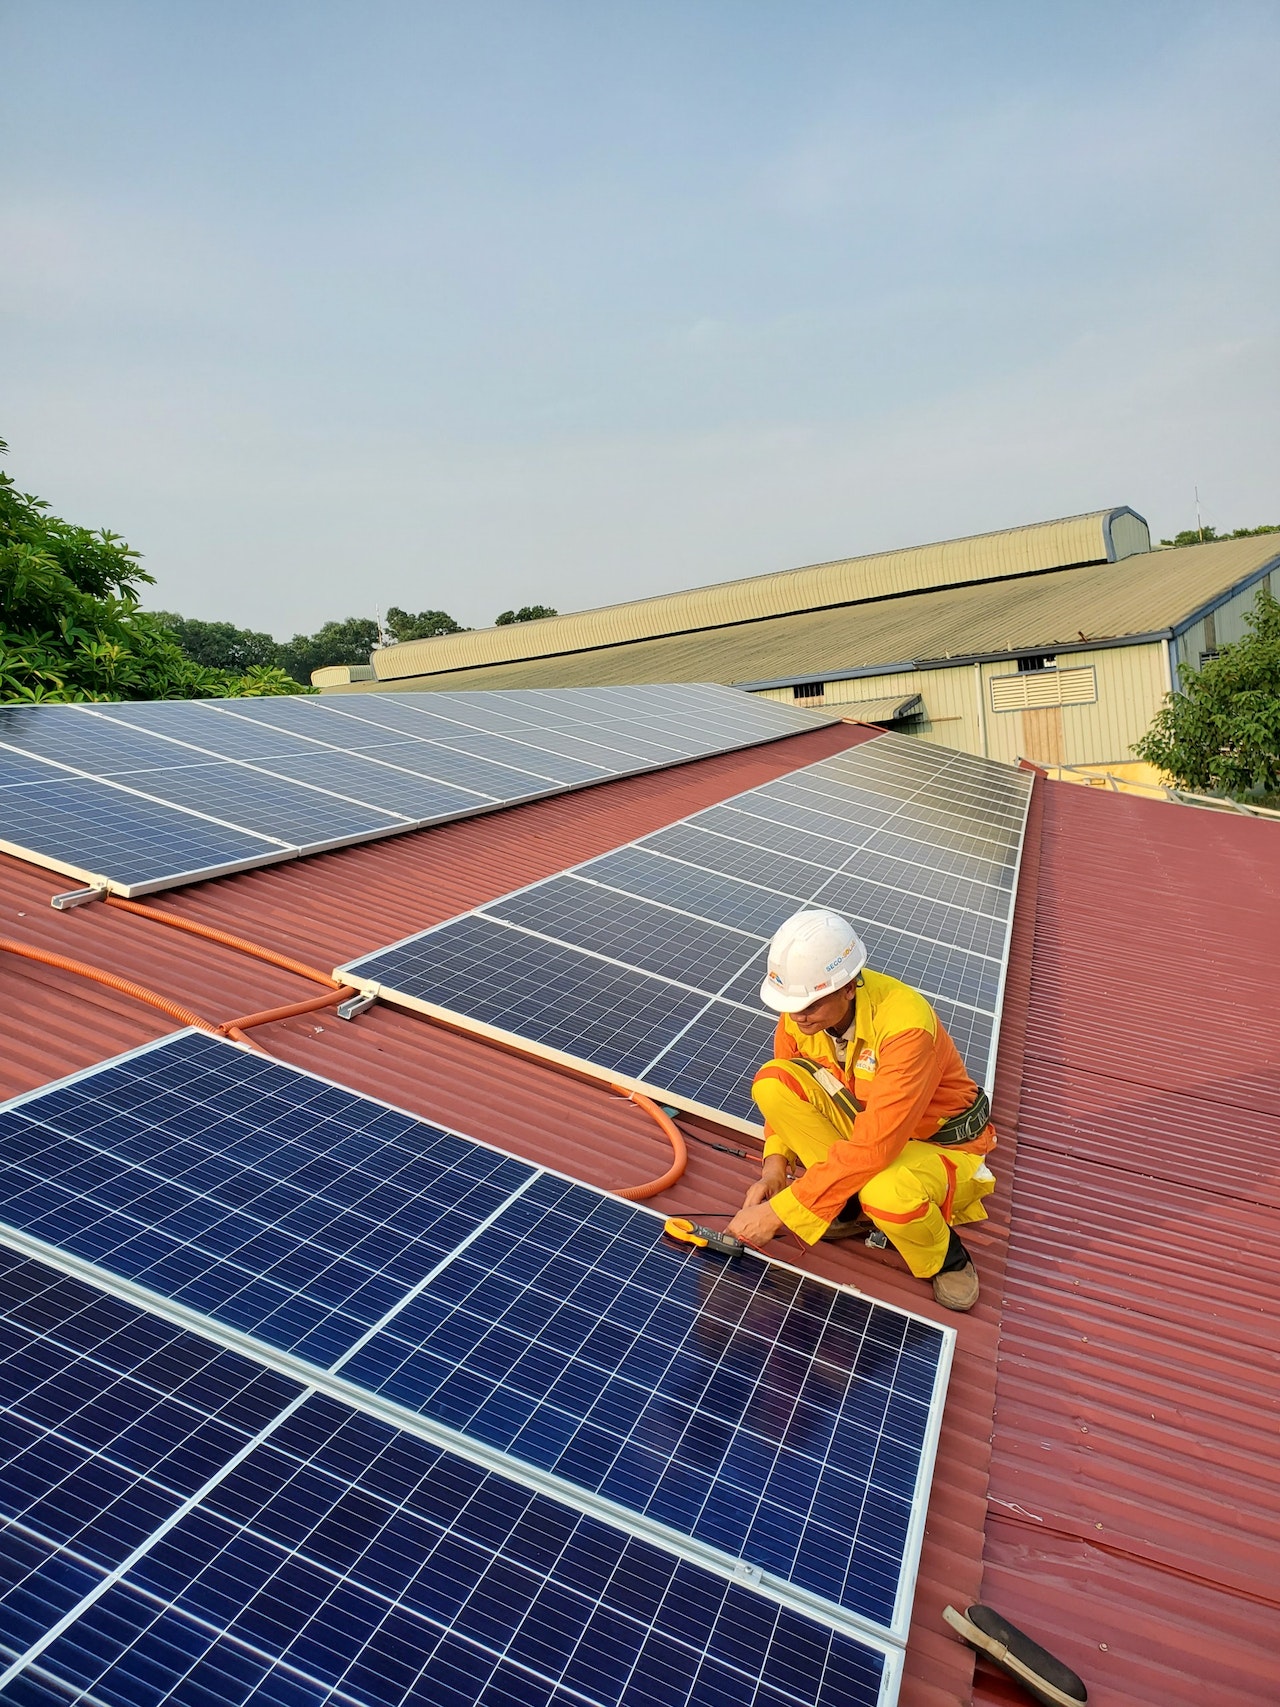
326 306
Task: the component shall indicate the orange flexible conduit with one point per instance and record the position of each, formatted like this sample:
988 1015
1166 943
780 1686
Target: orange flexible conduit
335 993
225 938
679 1152
125 986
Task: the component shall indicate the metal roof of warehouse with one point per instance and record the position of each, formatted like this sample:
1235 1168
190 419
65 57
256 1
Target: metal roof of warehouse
1143 596
1126 1505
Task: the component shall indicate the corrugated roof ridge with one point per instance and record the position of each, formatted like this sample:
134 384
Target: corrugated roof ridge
615 624
1144 595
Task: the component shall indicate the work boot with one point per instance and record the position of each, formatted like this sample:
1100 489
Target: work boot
850 1223
957 1289
955 1285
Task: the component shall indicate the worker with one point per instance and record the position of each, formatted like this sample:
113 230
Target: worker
868 1111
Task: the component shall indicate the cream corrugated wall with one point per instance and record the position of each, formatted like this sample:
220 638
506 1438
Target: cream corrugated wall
1131 688
981 557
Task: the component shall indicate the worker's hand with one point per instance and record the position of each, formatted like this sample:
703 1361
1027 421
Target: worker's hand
756 1225
773 1179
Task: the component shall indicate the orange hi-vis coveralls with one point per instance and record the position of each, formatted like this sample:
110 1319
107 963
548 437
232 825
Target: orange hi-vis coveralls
906 1079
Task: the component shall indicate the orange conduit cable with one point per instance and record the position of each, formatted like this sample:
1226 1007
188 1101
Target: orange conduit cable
225 938
680 1155
237 1027
125 986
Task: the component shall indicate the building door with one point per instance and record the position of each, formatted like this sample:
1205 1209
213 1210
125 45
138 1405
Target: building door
1042 735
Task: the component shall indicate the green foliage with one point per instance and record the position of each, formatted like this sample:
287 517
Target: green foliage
1207 536
1221 734
348 642
404 625
70 627
223 646
526 613
220 645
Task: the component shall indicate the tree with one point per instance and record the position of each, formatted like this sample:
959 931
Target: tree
220 645
1206 536
348 642
70 626
1221 734
526 613
403 625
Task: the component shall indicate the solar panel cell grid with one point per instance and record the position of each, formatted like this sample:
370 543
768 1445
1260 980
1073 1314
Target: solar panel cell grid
639 870
591 1008
718 844
310 785
632 931
344 1561
932 902
714 1060
765 1415
738 822
894 907
112 830
109 1419
264 805
573 1336
412 796
271 1203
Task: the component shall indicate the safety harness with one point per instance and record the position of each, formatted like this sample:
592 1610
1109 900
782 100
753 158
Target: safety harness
956 1129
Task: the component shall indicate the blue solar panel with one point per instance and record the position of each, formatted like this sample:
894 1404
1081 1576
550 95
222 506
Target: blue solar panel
738 1412
263 1198
633 931
267 805
694 905
109 1419
346 1561
612 1015
304 775
776 1418
122 833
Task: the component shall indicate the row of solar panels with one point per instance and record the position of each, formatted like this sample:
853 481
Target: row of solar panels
645 964
150 794
305 1401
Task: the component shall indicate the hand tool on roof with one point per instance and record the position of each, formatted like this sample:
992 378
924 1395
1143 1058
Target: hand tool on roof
1044 1678
705 1238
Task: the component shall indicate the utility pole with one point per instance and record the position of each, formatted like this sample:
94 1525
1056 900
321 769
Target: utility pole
1199 523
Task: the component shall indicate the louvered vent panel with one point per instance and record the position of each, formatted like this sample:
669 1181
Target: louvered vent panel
1034 688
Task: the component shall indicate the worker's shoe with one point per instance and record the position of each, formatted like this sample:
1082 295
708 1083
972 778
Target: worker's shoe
957 1289
955 1285
850 1223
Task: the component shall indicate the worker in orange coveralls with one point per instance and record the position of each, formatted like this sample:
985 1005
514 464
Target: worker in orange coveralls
868 1110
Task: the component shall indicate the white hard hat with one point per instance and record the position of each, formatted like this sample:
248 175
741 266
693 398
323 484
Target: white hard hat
811 955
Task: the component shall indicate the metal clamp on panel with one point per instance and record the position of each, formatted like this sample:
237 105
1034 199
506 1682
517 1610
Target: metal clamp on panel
357 1004
79 897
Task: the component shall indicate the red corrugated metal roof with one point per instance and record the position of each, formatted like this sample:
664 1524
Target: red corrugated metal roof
1135 1478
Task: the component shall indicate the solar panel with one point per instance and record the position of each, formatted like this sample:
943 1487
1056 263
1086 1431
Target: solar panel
140 796
178 1524
745 1421
645 964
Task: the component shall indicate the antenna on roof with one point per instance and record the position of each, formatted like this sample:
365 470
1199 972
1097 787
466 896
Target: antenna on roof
1199 522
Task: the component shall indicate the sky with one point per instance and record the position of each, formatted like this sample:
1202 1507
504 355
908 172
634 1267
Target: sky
328 307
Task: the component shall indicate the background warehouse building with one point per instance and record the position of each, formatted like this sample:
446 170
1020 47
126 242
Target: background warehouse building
1057 641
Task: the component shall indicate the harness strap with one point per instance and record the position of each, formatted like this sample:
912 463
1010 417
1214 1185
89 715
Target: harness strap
970 1123
830 1082
956 1129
